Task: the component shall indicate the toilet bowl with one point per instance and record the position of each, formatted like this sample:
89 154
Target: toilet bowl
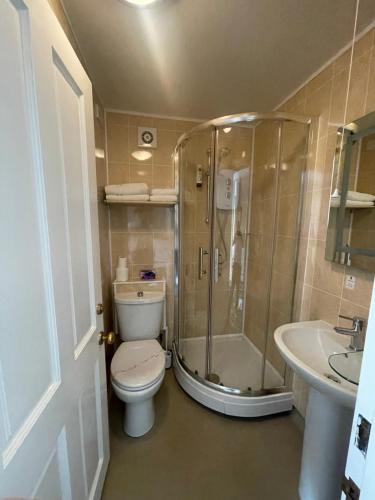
138 366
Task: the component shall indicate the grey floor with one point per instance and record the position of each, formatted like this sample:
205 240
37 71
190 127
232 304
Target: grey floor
193 453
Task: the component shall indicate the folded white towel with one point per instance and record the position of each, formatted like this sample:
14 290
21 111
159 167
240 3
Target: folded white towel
356 196
166 191
130 188
166 197
127 197
335 203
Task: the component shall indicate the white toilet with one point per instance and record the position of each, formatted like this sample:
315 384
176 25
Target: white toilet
138 366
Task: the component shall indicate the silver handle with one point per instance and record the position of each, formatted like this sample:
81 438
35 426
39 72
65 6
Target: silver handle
201 271
346 317
356 319
208 213
216 274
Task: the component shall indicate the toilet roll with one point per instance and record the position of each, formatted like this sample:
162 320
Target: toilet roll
122 262
122 274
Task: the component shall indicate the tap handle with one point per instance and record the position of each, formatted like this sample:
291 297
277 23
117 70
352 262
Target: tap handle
355 319
342 316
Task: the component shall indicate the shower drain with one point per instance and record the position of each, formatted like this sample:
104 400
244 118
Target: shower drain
333 378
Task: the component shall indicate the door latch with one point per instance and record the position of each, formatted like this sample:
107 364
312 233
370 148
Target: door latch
362 434
350 489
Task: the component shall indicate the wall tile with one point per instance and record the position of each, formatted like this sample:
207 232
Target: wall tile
145 234
117 143
338 101
140 172
118 173
327 275
370 100
358 87
324 306
318 104
319 81
163 176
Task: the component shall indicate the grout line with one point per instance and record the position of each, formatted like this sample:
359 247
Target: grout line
372 51
345 120
109 211
330 61
351 63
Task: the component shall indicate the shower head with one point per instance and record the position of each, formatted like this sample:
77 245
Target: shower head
223 152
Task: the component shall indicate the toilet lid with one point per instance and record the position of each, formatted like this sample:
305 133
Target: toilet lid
137 364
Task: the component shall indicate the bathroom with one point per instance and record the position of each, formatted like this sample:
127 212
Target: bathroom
192 221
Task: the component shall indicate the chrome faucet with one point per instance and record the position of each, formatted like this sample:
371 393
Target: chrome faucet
357 332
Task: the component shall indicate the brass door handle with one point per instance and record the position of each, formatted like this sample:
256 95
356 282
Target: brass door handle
108 338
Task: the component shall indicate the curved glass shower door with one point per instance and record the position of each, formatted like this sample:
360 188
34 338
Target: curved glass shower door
241 193
194 243
229 363
257 200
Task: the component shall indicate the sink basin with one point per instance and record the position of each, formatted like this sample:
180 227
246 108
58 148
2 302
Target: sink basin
309 348
347 365
306 348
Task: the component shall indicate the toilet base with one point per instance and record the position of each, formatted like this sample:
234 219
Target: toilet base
139 417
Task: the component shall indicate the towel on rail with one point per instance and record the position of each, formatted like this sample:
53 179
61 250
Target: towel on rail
164 191
132 188
127 197
354 196
165 197
336 200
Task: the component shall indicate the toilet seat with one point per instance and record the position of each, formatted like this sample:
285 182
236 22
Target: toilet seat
138 365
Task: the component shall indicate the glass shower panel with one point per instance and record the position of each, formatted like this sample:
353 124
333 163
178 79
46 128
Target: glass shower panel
228 364
261 243
291 168
194 250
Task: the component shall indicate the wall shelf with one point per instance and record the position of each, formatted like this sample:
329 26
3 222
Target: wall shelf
142 203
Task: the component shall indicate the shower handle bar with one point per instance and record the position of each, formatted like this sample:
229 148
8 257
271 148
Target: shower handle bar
208 213
201 271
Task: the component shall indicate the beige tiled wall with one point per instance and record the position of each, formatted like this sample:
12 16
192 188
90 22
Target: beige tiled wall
338 95
144 234
273 232
194 234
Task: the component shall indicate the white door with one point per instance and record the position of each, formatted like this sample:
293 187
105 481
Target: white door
360 466
53 402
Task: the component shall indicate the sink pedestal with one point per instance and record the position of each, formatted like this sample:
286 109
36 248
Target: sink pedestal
325 447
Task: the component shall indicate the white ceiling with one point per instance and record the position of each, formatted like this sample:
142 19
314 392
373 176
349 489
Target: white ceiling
206 58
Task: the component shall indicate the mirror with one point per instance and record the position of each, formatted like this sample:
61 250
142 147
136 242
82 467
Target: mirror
351 227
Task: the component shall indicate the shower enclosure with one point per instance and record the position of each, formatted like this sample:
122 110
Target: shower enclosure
241 183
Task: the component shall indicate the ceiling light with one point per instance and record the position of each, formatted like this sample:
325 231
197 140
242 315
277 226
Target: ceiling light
141 155
139 3
226 130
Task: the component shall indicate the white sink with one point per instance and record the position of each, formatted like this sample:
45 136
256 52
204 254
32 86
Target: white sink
306 348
